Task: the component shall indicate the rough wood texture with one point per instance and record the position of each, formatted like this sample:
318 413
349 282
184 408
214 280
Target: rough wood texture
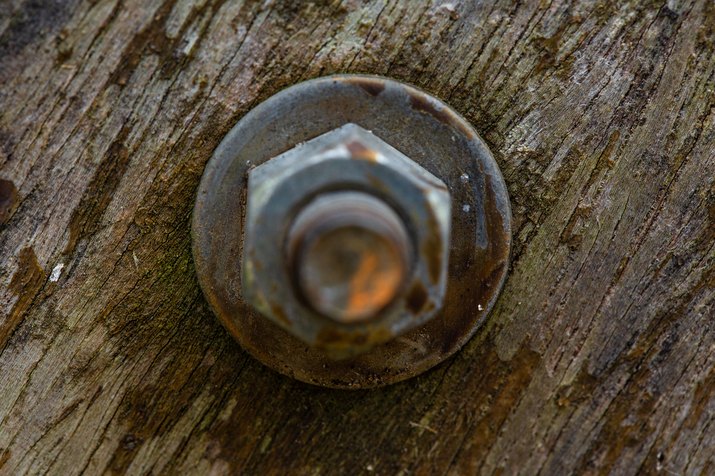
599 357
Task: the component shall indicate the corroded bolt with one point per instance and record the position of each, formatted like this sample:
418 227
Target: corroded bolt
346 241
320 232
350 255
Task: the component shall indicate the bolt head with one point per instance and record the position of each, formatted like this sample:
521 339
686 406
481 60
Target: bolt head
346 241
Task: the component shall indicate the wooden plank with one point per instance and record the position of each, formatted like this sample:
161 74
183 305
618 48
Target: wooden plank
600 354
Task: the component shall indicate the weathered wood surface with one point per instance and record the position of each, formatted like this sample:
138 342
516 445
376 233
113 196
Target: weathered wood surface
599 357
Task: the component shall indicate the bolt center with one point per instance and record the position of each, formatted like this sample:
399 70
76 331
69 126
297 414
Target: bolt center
350 255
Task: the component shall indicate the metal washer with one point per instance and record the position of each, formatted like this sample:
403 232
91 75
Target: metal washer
421 127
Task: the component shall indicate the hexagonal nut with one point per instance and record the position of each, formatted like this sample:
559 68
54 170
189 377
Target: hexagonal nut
347 158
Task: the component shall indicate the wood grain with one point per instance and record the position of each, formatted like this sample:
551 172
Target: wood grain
600 354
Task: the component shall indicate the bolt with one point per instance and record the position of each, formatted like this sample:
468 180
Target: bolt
322 239
350 253
346 241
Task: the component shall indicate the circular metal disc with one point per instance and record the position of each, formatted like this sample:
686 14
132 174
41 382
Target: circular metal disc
421 127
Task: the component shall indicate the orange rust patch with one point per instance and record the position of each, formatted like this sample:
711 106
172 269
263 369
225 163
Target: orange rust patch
342 344
4 456
359 151
423 104
8 200
372 286
280 313
372 86
25 284
502 385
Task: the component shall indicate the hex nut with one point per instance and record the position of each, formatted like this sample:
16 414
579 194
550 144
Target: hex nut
348 158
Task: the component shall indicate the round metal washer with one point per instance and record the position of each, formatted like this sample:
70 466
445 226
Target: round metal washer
421 127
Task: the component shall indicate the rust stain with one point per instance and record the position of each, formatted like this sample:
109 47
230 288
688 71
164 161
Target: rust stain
25 284
549 49
373 86
701 398
432 250
416 298
359 151
424 104
4 456
280 313
500 389
372 286
345 344
579 391
623 424
329 335
8 200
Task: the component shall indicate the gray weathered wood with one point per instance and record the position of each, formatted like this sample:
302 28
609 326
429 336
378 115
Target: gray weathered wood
600 354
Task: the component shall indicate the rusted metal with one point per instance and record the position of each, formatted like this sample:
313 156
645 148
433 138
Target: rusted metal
456 162
349 254
388 194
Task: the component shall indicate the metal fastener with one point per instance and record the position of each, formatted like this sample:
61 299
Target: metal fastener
351 231
349 255
346 241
